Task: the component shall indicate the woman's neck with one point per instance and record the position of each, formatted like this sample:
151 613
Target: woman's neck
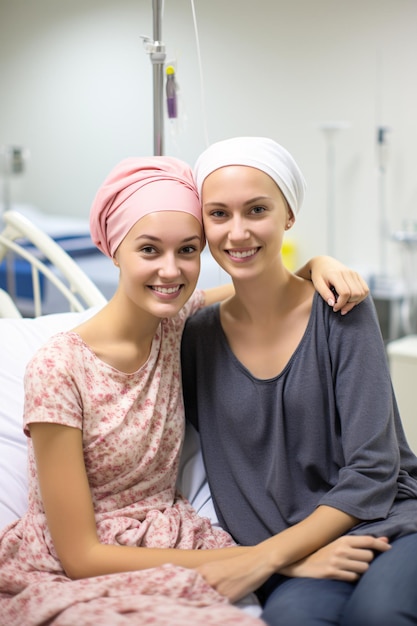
120 334
266 320
128 322
265 295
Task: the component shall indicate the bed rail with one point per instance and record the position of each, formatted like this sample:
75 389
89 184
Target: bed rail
20 239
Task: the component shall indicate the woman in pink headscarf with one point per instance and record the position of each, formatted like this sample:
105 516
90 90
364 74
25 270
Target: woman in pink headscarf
107 539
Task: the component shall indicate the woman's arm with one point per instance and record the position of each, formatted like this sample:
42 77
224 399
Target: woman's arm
238 576
217 294
70 515
326 273
341 287
346 558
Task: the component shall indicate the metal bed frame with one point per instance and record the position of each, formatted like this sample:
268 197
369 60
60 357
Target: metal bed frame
20 239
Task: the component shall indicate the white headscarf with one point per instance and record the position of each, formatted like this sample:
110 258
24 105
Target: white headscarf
260 152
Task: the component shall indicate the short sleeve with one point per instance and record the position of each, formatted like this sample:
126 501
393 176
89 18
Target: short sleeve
51 391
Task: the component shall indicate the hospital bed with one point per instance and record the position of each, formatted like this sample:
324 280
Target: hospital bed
36 272
29 258
21 336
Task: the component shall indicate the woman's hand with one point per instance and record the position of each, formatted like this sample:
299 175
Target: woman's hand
346 558
341 287
239 575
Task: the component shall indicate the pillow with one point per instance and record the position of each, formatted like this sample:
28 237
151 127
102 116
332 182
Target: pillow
19 340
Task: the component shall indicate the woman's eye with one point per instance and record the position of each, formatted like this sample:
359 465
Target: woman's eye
218 213
148 250
188 249
258 209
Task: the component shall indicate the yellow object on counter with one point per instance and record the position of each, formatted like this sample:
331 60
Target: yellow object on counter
289 254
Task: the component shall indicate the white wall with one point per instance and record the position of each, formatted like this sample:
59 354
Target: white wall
76 89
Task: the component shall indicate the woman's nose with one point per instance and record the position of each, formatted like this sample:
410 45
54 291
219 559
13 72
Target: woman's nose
238 230
170 267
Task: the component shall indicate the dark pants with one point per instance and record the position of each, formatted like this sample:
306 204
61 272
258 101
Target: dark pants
386 595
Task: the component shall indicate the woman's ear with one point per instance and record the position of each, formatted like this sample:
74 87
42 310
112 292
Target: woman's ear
290 220
115 261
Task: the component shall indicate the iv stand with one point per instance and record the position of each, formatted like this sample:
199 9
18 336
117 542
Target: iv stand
330 129
156 51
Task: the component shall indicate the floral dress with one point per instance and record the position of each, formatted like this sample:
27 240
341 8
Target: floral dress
133 428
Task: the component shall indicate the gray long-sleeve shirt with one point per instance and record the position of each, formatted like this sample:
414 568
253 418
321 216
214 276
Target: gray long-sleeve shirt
326 430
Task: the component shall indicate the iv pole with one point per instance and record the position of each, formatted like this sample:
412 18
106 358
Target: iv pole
158 59
156 51
330 129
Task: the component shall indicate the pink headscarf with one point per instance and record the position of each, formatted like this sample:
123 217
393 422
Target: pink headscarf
138 186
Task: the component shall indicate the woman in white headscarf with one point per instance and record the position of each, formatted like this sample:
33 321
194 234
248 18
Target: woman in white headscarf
301 436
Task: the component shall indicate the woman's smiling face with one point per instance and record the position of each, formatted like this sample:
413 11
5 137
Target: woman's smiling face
245 216
159 261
